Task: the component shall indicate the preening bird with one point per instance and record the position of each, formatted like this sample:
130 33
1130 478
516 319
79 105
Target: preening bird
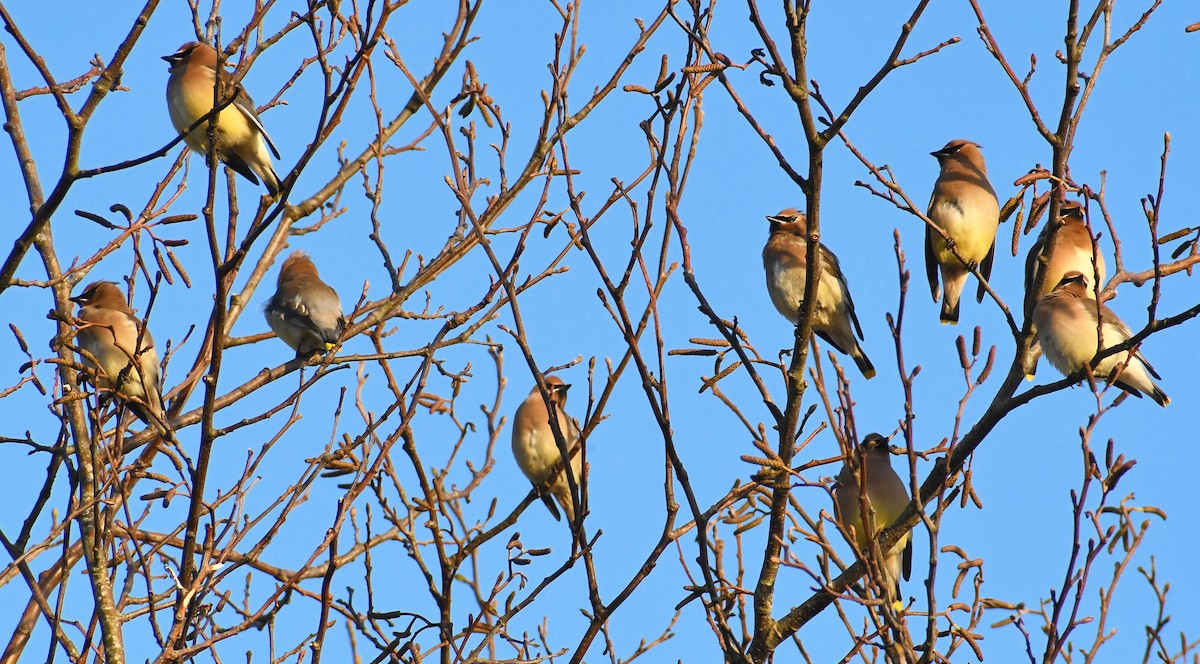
1073 252
1068 321
886 496
119 349
536 451
242 141
785 260
304 311
964 205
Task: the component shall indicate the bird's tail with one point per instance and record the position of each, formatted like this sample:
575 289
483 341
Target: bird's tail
863 362
269 178
562 491
1150 389
148 407
952 297
257 166
1030 361
1136 380
549 501
843 341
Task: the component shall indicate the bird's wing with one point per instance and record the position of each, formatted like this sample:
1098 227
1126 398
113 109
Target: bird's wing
832 262
246 106
985 269
296 312
1031 270
931 264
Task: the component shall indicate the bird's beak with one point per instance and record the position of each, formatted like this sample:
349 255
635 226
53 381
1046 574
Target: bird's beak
881 441
78 299
774 219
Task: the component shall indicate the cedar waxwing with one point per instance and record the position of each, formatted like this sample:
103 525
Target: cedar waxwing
536 451
304 311
886 496
242 141
1073 252
964 205
110 336
785 260
1067 320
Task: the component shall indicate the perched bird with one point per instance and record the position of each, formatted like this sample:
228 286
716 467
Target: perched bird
1067 321
242 141
785 260
304 311
886 496
119 349
1073 252
964 205
536 451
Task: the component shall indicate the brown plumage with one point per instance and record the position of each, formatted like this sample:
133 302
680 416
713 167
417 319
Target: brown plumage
304 311
242 141
886 495
964 205
1067 321
119 351
1073 252
785 259
537 453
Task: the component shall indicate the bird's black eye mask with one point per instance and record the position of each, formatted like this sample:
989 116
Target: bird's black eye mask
177 57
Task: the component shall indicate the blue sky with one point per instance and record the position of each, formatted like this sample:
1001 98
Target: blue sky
1023 473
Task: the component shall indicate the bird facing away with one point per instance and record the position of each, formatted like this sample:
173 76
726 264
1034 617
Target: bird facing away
304 311
1073 252
1067 321
536 451
886 496
964 205
785 260
242 141
121 351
